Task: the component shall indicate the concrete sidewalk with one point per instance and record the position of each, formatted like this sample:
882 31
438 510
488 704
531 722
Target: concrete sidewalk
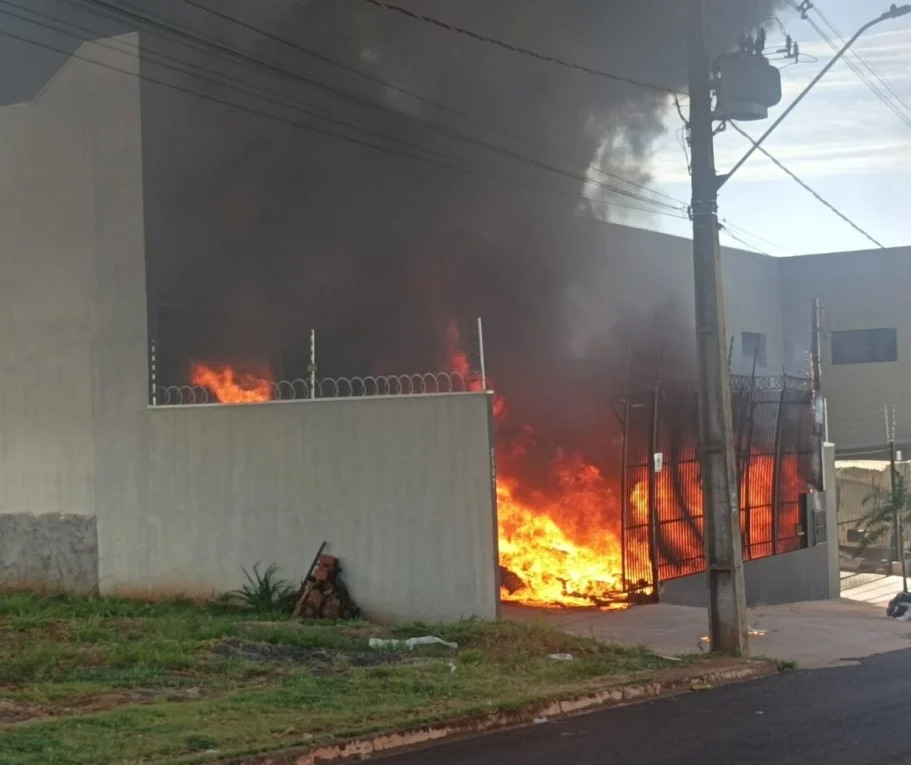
876 590
816 634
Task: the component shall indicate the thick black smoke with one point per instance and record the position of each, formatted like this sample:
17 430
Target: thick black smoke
258 230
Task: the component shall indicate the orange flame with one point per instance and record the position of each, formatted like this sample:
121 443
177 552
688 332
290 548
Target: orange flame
229 386
680 514
559 545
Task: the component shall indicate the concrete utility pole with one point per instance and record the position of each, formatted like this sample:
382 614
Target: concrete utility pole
721 506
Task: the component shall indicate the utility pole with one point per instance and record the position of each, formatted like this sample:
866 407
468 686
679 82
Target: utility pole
896 510
721 506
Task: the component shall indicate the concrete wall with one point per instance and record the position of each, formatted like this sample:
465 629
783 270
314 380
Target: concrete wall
70 242
49 551
753 303
400 487
55 150
789 578
858 290
643 275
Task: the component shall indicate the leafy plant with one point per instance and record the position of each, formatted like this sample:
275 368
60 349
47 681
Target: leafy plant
265 592
878 521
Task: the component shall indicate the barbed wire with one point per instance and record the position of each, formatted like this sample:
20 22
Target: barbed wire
300 389
739 384
770 382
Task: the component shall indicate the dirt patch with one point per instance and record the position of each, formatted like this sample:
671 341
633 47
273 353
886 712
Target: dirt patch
15 711
12 712
320 661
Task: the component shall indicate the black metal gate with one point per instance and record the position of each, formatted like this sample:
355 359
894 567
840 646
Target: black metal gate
777 442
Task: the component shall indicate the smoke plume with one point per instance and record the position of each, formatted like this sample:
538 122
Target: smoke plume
259 229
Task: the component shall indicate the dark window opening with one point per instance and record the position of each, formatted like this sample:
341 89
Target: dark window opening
864 346
753 345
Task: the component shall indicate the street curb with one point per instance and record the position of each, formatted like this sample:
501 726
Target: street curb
725 672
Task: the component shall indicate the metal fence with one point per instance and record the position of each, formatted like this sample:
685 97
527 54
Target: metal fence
856 483
776 437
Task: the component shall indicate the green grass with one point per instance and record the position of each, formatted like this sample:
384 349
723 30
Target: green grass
106 668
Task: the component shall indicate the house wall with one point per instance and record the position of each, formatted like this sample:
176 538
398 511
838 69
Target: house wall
400 487
70 231
643 274
857 290
753 303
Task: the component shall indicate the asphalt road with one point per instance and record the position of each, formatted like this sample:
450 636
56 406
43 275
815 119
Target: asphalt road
857 715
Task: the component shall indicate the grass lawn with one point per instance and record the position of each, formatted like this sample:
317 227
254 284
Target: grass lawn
94 681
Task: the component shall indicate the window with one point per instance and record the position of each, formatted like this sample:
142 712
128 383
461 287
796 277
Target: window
864 346
753 345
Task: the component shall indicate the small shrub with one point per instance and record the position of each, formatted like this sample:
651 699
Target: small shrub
265 592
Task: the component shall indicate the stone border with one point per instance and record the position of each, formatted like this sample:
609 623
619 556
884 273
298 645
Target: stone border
721 672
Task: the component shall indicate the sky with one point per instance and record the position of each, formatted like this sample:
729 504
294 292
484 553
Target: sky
841 140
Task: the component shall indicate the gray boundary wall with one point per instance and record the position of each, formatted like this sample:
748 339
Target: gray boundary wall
400 487
808 574
48 552
788 578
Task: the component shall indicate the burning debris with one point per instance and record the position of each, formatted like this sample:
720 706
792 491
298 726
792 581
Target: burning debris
559 541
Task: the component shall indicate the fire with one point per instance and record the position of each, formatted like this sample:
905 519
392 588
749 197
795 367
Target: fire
679 506
229 386
559 545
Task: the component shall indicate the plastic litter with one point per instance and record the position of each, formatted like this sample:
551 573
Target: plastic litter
561 656
398 645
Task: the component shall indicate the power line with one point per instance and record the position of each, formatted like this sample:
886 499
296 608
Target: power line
312 128
416 96
519 49
208 75
805 186
896 109
860 57
876 90
727 226
739 240
285 73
